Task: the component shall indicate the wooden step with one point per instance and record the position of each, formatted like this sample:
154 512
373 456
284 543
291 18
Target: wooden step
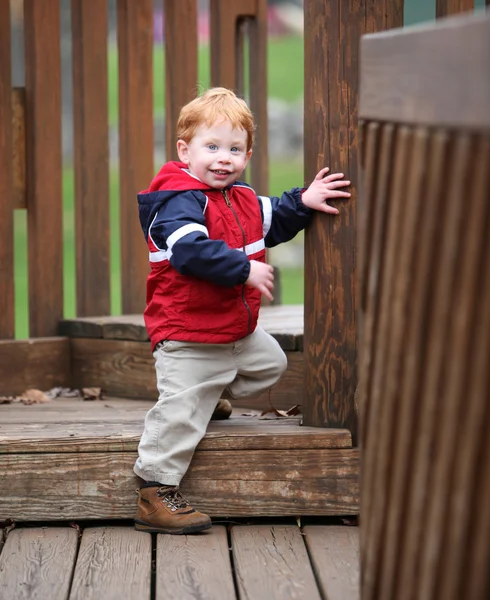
114 353
71 459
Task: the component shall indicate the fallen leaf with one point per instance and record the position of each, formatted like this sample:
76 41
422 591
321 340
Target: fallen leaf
9 399
33 396
291 412
92 393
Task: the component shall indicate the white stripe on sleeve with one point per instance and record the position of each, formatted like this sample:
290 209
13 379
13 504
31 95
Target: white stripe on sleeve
183 231
267 210
254 247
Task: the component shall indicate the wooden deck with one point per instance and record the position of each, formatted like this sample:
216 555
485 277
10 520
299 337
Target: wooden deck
72 459
273 561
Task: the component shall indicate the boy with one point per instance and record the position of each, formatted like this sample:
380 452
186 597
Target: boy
207 235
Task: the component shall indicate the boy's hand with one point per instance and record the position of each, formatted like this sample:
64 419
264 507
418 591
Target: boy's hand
261 277
324 188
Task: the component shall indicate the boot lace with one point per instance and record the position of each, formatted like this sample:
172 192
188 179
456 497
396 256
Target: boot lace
172 498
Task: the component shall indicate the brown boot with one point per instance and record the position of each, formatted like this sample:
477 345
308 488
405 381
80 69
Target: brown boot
222 411
165 510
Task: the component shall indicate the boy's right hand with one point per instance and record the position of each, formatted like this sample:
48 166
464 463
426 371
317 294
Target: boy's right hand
261 277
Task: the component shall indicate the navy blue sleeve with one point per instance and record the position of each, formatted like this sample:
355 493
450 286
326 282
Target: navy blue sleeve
179 228
283 217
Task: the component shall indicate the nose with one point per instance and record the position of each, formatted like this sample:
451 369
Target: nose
224 157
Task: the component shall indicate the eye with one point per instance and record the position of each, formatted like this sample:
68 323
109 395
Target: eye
235 149
212 146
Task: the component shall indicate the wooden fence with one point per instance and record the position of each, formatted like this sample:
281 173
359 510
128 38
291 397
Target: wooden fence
425 312
31 150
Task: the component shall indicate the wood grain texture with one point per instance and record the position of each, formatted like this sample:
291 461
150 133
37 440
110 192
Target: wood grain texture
40 363
7 322
271 562
427 394
180 65
334 554
284 323
43 143
19 147
331 99
96 485
91 157
113 563
392 90
445 8
194 566
126 369
38 563
73 425
135 62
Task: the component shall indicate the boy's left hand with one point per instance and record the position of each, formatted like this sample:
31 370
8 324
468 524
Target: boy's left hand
324 188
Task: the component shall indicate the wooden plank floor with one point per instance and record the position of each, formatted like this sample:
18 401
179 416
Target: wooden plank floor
270 561
69 459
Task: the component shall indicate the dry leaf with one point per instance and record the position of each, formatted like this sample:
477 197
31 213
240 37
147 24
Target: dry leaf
92 393
9 399
292 412
33 396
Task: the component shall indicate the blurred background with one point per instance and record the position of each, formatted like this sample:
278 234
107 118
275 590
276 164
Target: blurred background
285 105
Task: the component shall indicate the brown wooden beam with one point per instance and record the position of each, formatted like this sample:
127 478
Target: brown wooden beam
90 108
6 183
135 47
44 162
445 8
331 139
19 147
180 64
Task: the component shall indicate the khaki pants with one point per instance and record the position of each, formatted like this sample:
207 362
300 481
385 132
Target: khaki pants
191 378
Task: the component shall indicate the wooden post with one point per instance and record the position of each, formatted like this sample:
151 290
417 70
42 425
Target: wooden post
135 47
89 18
445 8
6 187
331 139
180 64
43 143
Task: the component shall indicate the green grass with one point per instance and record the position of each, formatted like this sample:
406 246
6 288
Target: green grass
285 73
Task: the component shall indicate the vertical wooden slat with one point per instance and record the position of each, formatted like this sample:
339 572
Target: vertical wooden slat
180 64
258 97
226 70
89 24
402 362
445 8
409 411
377 445
465 421
135 47
43 142
331 90
7 322
376 198
19 147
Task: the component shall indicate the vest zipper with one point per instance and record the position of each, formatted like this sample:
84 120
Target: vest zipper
229 205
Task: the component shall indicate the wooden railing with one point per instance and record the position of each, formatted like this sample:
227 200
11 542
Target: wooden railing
31 151
424 229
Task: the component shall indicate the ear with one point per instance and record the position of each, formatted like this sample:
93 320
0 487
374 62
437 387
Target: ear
249 154
183 152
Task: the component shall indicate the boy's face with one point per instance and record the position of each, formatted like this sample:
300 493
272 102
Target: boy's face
216 155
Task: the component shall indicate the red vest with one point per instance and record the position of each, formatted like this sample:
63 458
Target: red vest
187 308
